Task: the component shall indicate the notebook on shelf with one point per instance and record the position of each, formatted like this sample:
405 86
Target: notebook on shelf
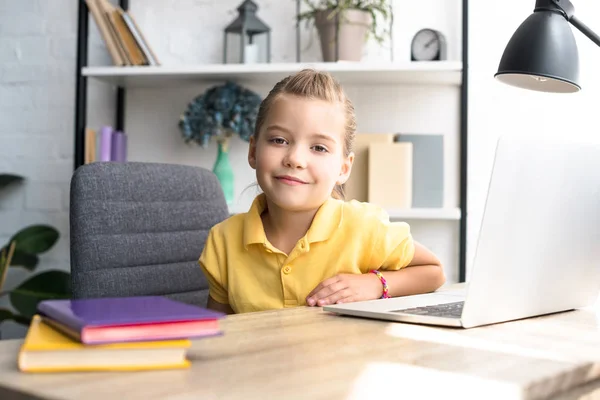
125 319
48 350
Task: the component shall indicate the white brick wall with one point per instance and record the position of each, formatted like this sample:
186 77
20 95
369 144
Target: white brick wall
37 97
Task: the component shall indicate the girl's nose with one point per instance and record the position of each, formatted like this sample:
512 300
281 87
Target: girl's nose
295 158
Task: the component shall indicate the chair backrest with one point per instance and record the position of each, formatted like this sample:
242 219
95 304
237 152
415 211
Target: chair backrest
139 229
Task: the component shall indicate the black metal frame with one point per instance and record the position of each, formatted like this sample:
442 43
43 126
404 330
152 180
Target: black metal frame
81 110
464 129
81 85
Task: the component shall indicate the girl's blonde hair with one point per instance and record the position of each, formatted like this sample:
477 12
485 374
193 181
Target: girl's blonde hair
312 84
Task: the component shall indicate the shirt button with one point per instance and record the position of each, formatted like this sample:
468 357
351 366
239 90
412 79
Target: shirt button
287 269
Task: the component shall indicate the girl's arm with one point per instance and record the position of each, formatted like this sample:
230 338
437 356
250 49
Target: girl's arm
422 275
216 306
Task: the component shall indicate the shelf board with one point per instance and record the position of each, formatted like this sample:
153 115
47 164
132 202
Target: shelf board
425 213
397 214
433 72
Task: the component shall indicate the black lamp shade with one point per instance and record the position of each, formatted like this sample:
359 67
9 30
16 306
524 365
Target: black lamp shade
542 55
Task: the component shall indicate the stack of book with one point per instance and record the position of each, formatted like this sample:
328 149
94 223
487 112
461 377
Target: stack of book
106 145
114 334
123 38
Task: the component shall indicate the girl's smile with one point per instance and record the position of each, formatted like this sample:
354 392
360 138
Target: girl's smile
290 180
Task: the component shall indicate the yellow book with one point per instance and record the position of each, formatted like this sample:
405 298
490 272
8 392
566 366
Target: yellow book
47 350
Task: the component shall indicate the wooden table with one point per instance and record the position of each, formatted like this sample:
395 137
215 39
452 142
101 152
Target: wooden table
305 353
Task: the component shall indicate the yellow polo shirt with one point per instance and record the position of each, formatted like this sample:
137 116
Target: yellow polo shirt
245 271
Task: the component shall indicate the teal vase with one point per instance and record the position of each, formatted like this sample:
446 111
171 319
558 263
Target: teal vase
222 169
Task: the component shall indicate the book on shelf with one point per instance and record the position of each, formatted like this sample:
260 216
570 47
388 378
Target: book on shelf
122 36
357 186
139 38
106 144
106 33
90 146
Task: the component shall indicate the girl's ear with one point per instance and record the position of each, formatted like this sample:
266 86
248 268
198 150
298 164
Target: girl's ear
252 153
346 169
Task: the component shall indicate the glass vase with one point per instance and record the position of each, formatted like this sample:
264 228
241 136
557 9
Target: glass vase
224 172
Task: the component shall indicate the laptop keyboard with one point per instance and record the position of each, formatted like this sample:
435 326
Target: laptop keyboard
447 310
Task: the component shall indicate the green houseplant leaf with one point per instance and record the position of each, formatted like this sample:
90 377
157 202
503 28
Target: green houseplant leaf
5 315
22 259
380 10
28 243
35 239
52 284
7 179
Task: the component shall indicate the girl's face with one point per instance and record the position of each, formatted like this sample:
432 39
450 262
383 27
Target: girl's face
299 154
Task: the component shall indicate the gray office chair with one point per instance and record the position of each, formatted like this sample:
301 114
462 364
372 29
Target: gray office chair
139 228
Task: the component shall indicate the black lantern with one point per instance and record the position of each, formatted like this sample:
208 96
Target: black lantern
251 36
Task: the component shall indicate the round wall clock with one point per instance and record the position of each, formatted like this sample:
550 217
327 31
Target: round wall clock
428 45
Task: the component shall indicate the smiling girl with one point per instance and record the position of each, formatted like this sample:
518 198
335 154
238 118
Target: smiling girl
301 243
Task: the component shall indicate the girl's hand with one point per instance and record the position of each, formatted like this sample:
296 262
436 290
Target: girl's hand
345 288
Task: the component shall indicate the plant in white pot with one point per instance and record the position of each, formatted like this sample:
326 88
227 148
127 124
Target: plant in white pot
344 26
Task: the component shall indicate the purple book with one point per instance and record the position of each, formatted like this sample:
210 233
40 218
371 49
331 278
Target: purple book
118 147
119 319
106 133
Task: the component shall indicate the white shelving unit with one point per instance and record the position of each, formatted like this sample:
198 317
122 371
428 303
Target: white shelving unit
451 214
413 90
423 73
427 98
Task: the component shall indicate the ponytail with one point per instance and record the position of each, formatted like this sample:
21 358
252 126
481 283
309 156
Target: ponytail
338 193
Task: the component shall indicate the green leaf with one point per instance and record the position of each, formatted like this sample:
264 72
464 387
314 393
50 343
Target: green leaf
5 315
7 179
22 259
20 319
52 284
35 239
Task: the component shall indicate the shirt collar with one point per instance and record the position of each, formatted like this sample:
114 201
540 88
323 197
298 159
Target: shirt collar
327 219
254 231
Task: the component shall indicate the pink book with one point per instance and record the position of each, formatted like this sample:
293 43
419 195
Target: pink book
123 319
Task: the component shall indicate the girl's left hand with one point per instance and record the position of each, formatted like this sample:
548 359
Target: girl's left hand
345 288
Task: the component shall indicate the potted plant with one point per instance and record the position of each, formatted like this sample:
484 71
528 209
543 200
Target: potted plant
22 250
351 22
220 113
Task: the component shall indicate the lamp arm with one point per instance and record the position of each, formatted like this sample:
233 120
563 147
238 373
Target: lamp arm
585 30
569 12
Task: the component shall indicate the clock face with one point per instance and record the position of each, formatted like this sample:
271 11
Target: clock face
426 45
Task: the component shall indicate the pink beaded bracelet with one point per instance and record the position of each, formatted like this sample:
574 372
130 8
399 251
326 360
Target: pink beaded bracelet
385 294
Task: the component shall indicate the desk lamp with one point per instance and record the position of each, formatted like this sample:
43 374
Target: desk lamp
542 53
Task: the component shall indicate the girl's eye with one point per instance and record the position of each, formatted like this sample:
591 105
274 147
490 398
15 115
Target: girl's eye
320 149
277 140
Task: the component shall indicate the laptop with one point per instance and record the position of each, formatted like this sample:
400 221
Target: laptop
538 250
